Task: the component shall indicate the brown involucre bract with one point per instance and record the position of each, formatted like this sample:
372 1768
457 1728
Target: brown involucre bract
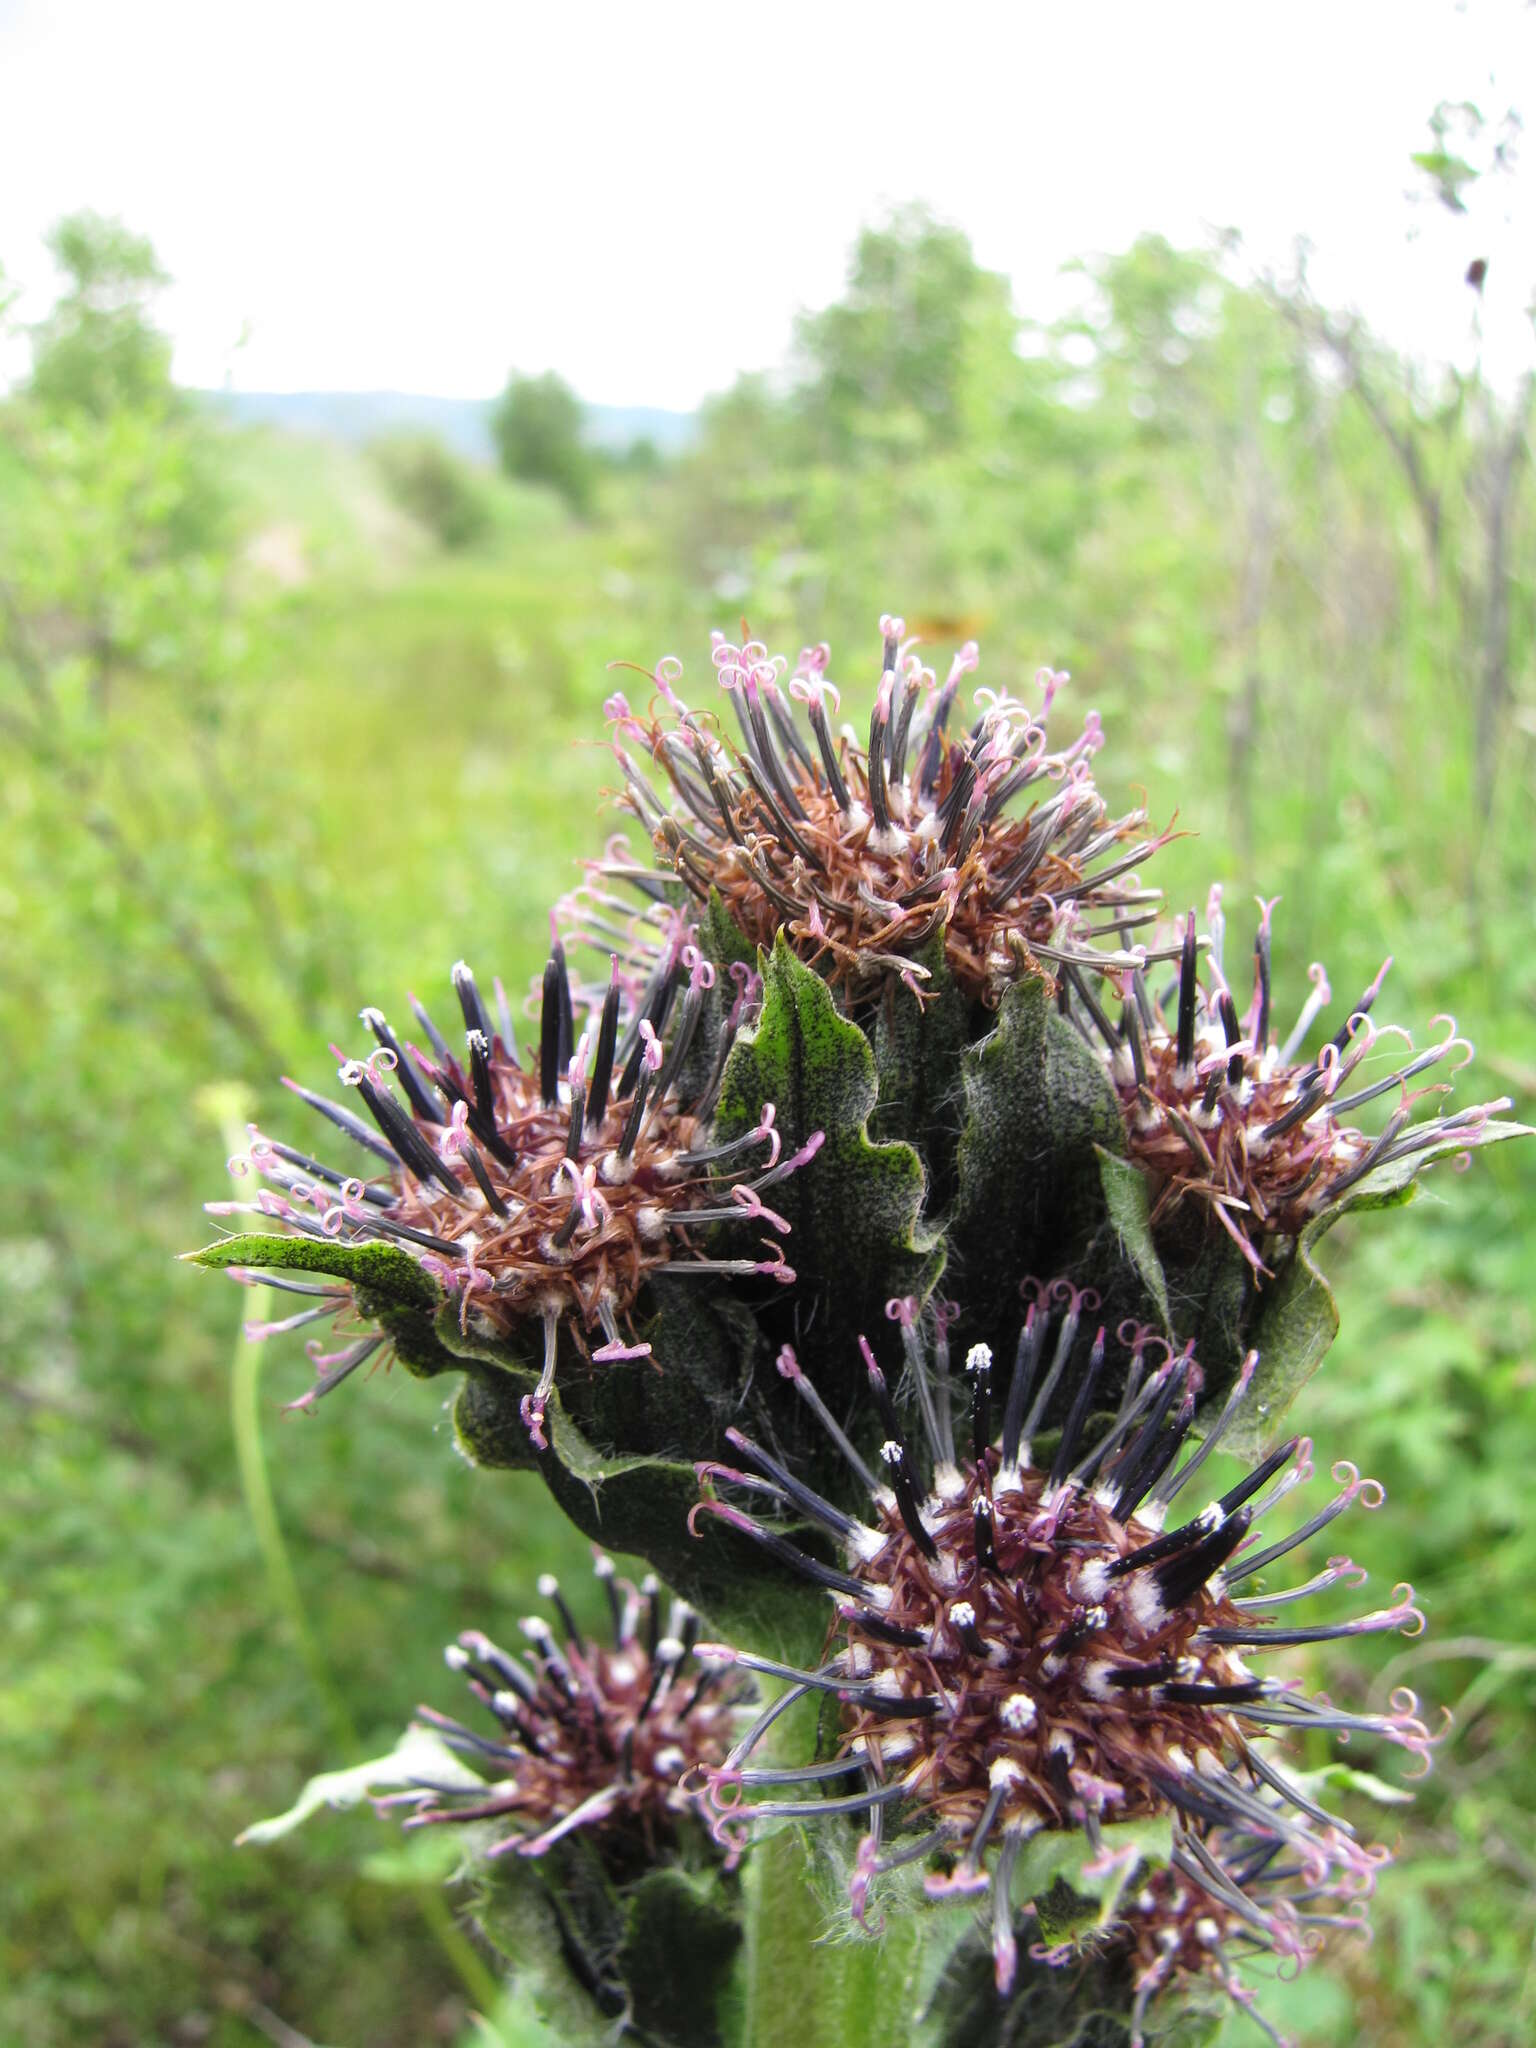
1220 1111
1020 1647
539 1193
863 854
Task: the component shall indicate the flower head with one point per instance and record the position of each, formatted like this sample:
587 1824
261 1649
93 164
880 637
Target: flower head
1221 1111
544 1192
1022 1645
1181 1931
863 853
587 1734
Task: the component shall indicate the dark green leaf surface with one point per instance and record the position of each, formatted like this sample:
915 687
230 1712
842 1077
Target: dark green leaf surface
386 1271
855 1239
1031 1196
1296 1317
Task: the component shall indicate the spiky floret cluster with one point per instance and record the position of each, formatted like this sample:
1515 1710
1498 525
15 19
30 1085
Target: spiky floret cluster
1022 1646
539 1193
1219 1110
862 854
589 1734
1178 1935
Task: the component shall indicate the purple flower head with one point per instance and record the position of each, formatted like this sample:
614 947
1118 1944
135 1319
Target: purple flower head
542 1190
1221 1111
1036 1633
863 852
584 1734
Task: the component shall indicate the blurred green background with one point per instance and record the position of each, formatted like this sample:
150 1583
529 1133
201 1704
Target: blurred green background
288 723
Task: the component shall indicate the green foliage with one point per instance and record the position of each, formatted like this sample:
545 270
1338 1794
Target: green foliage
1030 1200
98 350
437 488
538 428
384 1270
894 360
267 758
854 1208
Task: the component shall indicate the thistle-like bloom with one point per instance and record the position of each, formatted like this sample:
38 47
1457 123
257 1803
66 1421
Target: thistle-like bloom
544 1193
1020 1646
861 855
588 1735
1179 1935
1221 1111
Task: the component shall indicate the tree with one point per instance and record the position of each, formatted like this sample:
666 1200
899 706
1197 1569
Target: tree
538 427
437 488
99 350
900 341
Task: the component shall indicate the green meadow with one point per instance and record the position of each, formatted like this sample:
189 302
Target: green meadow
271 749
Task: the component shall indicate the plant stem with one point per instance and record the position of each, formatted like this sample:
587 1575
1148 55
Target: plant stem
478 1981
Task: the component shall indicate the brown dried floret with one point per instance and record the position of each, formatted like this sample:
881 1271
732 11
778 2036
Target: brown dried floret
861 855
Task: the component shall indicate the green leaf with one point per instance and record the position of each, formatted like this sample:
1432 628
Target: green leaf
386 1271
587 1945
1296 1318
1449 174
641 1503
680 1940
918 1047
1053 1873
558 1943
855 1239
1129 1201
1296 1321
721 938
419 1756
389 1288
1038 1108
1366 1783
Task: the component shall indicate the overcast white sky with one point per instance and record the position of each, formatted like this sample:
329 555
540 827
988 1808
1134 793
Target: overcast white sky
641 196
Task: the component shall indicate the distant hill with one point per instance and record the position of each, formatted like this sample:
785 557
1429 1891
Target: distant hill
464 423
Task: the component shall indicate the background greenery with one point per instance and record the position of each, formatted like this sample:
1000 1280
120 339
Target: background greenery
286 727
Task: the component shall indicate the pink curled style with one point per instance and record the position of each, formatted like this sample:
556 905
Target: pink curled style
859 1886
531 1412
755 1209
775 1266
718 1783
764 1133
1370 1493
806 1154
1137 1336
1405 1610
701 972
668 672
1451 1040
965 662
